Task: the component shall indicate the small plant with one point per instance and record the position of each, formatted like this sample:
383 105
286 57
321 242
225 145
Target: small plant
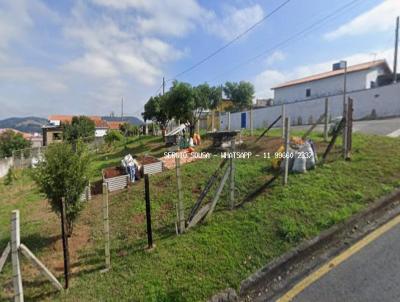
10 177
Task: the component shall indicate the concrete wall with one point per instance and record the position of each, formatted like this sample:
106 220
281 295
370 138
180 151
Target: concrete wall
5 165
326 87
379 102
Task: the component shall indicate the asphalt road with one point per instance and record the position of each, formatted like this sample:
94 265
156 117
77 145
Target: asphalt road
370 275
389 127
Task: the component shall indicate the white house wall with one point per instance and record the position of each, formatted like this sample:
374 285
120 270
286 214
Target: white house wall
100 132
383 101
325 87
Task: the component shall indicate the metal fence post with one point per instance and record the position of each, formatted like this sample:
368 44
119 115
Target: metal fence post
286 157
15 243
251 121
180 209
148 211
229 121
65 242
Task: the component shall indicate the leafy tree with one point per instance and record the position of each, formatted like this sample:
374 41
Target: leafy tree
81 127
113 136
128 129
187 103
11 141
64 173
241 94
157 110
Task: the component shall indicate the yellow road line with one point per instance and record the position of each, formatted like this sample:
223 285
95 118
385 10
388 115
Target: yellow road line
314 276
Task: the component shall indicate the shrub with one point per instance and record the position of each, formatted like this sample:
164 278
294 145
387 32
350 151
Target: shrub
64 173
11 141
10 177
113 136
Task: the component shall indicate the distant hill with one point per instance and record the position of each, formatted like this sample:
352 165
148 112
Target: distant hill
33 124
29 124
129 119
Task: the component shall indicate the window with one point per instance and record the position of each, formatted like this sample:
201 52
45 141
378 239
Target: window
57 136
308 92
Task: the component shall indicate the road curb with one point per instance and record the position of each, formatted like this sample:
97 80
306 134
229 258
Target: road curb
282 263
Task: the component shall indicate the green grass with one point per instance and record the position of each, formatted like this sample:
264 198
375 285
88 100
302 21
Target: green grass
226 249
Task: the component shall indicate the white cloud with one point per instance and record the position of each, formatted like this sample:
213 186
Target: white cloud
276 56
112 49
171 17
269 78
378 19
93 64
235 20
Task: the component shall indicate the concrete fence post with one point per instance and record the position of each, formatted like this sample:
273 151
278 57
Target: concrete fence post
16 268
106 224
283 114
326 120
180 209
251 121
286 157
232 176
229 121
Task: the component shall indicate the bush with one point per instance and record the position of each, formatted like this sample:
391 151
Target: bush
10 177
64 173
11 141
113 136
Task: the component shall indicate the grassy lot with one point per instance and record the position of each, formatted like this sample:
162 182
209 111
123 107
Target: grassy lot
212 256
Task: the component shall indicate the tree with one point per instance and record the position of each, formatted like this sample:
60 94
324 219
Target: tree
241 94
187 103
64 173
128 129
157 110
81 127
113 136
11 141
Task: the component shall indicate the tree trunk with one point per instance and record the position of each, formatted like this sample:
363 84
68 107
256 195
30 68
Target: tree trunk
70 227
191 130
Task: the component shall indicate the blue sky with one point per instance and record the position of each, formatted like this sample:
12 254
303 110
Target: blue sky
82 57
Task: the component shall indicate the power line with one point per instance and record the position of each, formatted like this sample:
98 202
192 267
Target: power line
230 42
306 30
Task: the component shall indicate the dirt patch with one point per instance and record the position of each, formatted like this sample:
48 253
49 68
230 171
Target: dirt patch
113 172
146 160
185 157
138 219
79 239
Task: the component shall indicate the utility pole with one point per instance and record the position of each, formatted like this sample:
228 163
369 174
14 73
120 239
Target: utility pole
163 85
396 46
